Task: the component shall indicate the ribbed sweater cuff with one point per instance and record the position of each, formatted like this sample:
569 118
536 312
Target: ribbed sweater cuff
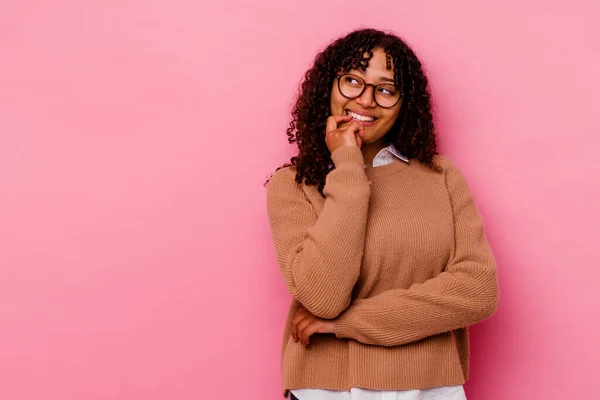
342 328
347 154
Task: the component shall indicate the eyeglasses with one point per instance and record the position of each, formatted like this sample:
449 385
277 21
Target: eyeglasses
351 86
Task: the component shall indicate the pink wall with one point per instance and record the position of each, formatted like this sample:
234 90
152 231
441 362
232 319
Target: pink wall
136 260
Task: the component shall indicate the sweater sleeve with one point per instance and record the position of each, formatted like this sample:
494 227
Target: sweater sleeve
464 293
320 255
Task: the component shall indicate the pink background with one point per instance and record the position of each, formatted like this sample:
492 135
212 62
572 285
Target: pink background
136 260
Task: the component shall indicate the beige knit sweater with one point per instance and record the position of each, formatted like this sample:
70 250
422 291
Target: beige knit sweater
397 256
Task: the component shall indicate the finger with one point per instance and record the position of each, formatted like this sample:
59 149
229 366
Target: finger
343 125
356 128
310 330
359 141
334 120
298 316
301 326
294 326
303 337
361 133
293 333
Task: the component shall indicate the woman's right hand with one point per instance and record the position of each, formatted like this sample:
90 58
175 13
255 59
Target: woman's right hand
347 134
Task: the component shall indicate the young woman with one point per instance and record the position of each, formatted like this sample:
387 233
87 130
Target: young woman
377 235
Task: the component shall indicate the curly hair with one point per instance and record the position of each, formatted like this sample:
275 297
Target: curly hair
412 133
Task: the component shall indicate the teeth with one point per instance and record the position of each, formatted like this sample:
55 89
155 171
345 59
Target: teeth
360 117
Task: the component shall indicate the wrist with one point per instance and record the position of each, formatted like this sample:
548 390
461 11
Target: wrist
347 154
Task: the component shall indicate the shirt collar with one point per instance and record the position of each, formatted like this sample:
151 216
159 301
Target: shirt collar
392 149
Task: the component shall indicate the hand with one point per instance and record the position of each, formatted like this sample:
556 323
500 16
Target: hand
346 134
305 324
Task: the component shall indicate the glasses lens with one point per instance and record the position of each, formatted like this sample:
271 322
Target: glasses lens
387 95
351 86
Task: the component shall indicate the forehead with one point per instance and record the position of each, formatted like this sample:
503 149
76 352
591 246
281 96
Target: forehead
380 66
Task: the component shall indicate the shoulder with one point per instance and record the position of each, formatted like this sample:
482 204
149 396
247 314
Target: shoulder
282 184
444 162
284 177
447 166
454 179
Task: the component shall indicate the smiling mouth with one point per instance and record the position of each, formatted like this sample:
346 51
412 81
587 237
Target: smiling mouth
359 117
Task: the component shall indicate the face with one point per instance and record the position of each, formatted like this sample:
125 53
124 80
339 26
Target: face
377 121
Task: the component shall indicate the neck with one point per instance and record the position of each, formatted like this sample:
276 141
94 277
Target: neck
370 150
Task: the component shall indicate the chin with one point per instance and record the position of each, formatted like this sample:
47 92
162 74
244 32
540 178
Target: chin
371 138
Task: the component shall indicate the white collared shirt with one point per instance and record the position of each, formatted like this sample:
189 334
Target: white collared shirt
384 157
387 155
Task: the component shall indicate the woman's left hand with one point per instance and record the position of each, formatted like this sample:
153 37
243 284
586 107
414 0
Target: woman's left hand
305 324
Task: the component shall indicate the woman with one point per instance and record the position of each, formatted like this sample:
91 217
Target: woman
377 235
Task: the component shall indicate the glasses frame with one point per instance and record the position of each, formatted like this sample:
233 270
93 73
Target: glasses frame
339 78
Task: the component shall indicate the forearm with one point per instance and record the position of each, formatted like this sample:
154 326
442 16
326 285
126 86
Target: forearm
444 303
320 256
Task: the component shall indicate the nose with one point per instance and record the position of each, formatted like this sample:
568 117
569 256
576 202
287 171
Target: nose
367 98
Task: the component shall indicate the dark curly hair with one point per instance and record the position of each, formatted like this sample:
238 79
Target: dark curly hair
413 132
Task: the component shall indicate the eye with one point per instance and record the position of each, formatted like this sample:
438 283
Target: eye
387 90
352 81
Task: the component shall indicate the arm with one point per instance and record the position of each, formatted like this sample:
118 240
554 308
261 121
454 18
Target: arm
463 294
320 255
